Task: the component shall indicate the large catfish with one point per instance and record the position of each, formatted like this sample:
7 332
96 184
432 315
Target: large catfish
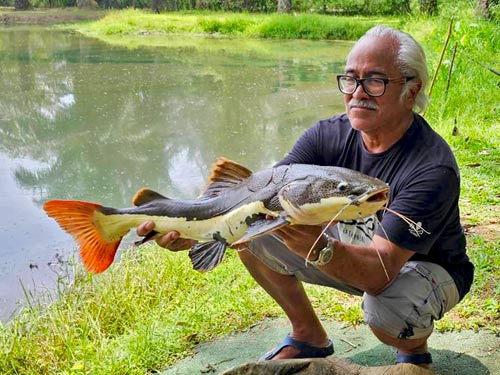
235 207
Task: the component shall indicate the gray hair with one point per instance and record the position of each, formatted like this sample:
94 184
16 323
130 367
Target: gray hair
410 60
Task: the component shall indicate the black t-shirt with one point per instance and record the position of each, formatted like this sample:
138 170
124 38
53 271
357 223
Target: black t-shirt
425 186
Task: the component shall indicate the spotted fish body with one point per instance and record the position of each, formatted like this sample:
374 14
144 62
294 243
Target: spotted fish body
235 207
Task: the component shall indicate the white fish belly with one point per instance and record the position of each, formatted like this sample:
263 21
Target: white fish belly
230 226
338 209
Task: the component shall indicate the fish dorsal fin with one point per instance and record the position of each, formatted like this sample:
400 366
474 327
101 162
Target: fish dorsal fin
225 173
144 196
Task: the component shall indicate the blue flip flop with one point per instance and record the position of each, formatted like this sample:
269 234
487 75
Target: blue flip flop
415 359
306 350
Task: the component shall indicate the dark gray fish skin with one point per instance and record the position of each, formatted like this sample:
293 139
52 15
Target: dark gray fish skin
305 184
234 208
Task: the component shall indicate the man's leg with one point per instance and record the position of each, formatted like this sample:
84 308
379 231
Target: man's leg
289 293
415 346
403 315
281 273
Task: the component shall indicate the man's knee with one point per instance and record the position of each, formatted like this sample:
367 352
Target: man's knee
407 309
398 322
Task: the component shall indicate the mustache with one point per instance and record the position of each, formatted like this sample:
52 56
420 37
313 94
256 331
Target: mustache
362 103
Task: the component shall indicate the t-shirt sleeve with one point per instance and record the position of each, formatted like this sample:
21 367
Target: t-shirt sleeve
427 200
320 144
304 150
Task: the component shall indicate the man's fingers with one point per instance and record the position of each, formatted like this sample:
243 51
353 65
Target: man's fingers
145 228
173 242
167 239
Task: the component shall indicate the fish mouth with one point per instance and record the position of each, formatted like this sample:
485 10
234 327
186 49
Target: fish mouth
378 196
374 196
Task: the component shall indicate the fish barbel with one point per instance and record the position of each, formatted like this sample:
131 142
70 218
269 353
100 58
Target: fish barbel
235 207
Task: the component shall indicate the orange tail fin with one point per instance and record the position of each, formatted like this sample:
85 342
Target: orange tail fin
77 218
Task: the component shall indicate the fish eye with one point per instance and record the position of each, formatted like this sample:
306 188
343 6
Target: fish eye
342 186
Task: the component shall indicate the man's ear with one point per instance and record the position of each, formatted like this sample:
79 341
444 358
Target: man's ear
414 90
412 93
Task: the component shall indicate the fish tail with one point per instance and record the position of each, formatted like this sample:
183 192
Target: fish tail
80 219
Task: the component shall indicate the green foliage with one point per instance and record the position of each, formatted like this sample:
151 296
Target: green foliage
304 26
224 26
495 12
285 26
350 7
465 98
145 312
346 7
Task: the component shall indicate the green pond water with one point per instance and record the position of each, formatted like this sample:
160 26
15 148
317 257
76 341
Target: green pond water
80 119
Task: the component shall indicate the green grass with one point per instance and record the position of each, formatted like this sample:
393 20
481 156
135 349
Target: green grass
150 309
471 105
144 313
287 26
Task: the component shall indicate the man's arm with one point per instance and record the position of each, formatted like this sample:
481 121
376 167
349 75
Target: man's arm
363 267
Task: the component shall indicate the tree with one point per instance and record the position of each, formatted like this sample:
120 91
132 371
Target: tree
429 6
86 4
22 4
156 5
484 7
284 6
401 6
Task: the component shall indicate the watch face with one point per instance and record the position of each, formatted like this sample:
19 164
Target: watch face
325 256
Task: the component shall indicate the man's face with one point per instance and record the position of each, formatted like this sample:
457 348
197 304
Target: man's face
375 58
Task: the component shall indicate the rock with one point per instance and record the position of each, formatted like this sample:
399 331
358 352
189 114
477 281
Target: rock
323 366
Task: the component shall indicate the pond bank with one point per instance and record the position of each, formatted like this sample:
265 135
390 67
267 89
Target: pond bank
9 16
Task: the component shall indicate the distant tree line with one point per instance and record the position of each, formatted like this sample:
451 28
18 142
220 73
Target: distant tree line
486 8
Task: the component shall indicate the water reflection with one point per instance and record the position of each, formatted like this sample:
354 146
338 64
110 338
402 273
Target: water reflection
82 120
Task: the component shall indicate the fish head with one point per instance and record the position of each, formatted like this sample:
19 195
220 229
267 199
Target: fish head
327 193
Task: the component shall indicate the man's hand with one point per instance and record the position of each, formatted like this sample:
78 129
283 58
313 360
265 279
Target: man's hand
301 238
170 240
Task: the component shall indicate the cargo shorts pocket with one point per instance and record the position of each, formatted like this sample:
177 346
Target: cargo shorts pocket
429 300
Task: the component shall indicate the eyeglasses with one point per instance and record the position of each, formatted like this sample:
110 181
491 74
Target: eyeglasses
372 86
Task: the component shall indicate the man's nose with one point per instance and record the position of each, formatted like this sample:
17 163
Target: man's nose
360 92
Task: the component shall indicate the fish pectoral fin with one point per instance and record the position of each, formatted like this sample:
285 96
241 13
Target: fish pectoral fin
144 196
262 227
205 256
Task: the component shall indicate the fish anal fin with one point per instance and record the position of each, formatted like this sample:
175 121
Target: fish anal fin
262 227
145 195
225 173
205 256
77 218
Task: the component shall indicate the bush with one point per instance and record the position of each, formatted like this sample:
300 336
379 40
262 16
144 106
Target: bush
353 6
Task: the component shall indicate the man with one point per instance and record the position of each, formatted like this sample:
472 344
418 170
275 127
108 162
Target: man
409 272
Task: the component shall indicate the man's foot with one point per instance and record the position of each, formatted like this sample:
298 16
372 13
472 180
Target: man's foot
292 348
421 359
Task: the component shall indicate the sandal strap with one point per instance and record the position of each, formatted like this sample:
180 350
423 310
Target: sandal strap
416 359
306 350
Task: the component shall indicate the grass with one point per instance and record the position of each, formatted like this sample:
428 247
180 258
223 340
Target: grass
145 313
287 26
150 309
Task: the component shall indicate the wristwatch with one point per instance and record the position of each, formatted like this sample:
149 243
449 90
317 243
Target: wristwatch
325 254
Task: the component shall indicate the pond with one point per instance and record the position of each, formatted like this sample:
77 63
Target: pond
80 119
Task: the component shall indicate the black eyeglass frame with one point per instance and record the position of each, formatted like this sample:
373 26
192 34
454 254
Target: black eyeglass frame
361 81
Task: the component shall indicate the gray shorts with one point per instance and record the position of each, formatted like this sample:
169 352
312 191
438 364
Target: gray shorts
406 309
